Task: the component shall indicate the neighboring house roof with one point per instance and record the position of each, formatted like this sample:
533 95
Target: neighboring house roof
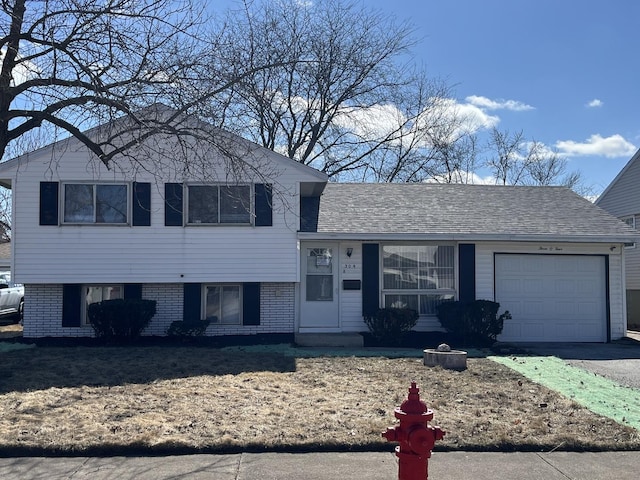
619 177
459 212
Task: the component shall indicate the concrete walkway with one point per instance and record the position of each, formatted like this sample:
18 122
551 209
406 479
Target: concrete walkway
328 466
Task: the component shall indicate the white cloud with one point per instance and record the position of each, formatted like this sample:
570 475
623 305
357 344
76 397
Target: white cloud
475 118
614 146
464 177
595 103
488 104
23 70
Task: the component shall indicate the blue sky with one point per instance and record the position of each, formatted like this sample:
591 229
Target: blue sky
573 63
565 72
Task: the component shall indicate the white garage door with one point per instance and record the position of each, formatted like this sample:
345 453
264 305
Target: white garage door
552 298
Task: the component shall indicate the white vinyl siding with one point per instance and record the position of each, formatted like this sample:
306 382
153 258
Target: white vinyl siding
622 200
117 254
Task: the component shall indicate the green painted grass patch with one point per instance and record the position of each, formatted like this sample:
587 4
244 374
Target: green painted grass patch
597 393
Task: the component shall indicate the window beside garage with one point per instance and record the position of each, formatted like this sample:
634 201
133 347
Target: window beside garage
418 276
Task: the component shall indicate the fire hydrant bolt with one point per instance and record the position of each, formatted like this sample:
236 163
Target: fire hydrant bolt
415 436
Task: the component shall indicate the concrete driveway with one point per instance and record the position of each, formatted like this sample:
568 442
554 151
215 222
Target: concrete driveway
619 361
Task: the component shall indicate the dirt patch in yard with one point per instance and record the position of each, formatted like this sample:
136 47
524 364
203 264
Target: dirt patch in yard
86 400
13 330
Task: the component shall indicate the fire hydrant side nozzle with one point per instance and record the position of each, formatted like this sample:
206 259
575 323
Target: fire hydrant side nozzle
415 436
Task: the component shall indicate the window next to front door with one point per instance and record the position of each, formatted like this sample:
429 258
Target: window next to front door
419 277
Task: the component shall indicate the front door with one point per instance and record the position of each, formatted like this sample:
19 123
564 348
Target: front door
319 287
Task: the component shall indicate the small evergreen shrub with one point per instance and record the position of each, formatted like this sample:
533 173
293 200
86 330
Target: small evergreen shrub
121 319
181 329
390 325
474 323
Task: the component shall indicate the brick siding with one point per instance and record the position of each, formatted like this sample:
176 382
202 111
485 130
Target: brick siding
43 311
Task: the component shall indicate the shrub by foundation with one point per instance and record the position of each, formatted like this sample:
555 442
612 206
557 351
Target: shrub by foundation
474 323
121 319
181 329
389 325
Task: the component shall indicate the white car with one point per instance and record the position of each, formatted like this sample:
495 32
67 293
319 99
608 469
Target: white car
11 296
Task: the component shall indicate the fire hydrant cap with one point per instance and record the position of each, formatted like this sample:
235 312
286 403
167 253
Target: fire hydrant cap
413 405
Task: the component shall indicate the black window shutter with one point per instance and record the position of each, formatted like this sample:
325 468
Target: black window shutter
173 204
264 205
467 272
133 291
251 304
309 211
141 204
370 278
192 302
48 203
71 305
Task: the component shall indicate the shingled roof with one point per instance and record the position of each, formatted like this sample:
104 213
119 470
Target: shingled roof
454 211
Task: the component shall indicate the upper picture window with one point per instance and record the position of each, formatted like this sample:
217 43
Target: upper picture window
213 204
95 203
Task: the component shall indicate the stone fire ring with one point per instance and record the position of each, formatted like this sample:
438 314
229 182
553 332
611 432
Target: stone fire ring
452 360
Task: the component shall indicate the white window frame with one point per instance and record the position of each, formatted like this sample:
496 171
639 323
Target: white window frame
221 321
219 186
95 186
631 221
418 292
85 305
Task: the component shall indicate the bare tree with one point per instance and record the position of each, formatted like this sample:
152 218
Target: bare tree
515 161
70 65
505 159
343 99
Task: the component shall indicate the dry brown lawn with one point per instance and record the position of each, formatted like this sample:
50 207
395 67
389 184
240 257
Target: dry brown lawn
84 400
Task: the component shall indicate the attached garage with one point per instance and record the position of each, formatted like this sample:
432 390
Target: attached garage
552 298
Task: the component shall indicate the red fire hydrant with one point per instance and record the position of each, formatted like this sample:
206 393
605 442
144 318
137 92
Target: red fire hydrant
416 438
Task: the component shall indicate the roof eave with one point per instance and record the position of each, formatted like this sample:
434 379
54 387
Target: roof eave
468 237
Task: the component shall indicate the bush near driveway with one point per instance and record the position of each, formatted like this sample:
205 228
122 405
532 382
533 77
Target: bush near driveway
89 400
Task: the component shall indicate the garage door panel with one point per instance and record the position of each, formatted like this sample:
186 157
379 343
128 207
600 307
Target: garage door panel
565 286
565 309
510 286
552 297
533 286
589 287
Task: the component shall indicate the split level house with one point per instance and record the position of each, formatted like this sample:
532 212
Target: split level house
265 245
622 199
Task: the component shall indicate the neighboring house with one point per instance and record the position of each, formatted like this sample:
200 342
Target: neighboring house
284 251
5 256
622 199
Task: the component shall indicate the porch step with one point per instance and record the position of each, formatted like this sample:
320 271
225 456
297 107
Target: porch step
329 339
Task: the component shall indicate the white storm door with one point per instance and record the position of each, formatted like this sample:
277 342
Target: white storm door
319 287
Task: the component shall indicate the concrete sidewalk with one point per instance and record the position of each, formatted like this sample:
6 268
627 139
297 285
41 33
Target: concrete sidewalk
328 466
